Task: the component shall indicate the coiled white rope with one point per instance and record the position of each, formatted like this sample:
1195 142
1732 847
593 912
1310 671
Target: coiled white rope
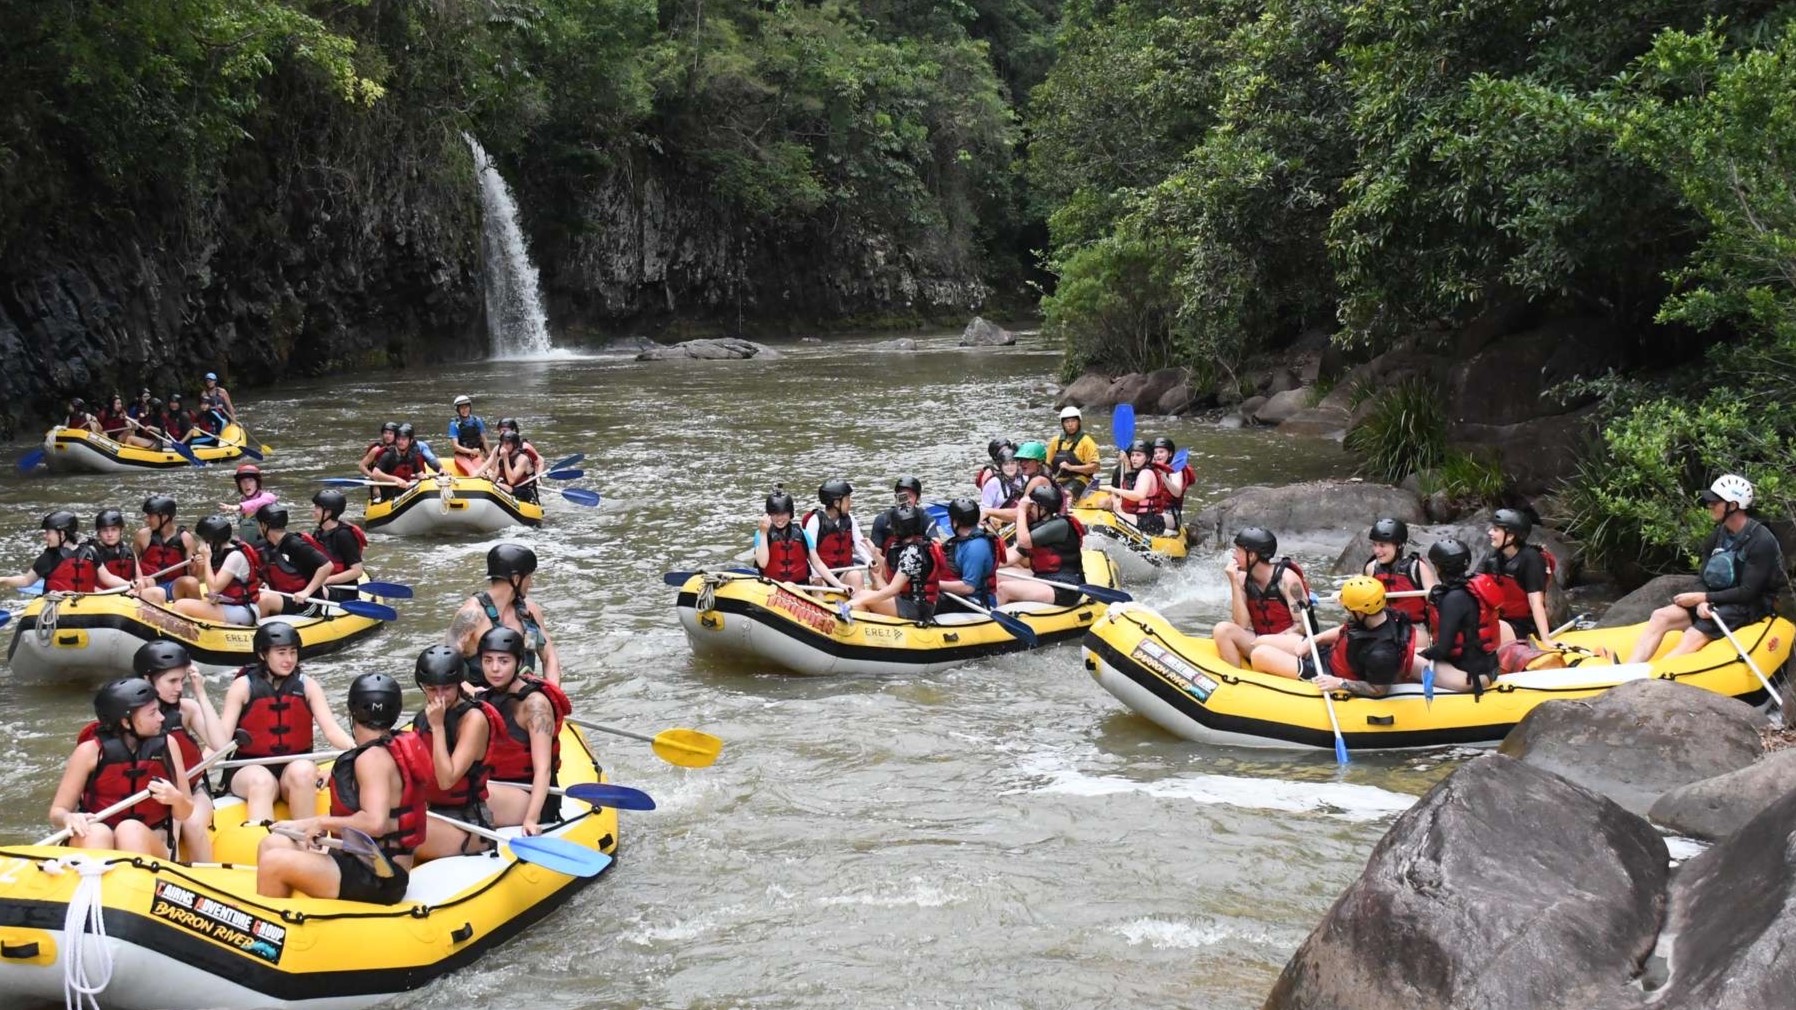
86 913
46 620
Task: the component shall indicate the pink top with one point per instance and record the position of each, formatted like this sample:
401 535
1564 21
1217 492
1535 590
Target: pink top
248 506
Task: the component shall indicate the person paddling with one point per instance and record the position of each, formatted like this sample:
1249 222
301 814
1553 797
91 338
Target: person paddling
161 545
401 464
66 565
233 576
836 535
1399 572
217 399
973 555
512 468
458 731
916 566
1050 544
276 706
377 787
1265 592
294 566
78 417
1465 632
125 754
505 602
190 725
343 543
1140 496
1742 571
371 455
117 561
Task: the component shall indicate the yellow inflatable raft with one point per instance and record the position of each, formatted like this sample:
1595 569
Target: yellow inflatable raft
95 636
80 449
199 936
445 504
752 619
1156 551
1178 681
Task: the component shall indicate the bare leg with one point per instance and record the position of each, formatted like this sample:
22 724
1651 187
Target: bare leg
1691 641
283 868
1667 618
299 786
1233 642
136 836
196 841
258 788
98 836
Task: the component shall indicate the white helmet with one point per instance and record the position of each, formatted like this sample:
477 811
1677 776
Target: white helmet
1066 412
1730 487
464 400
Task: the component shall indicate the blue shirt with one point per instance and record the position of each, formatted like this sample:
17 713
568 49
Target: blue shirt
429 457
974 560
456 422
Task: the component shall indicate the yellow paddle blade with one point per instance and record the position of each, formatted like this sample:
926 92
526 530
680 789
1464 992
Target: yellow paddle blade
687 748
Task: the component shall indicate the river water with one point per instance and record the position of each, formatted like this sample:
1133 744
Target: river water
1001 835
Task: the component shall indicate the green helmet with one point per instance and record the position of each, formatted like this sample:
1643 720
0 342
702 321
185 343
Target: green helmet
1037 451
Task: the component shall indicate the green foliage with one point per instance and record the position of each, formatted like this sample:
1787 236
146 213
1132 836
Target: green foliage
1113 305
1405 432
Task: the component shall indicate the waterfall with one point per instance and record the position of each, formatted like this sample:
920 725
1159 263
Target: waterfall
515 319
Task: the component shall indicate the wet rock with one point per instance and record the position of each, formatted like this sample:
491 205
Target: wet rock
1503 888
708 349
900 344
1231 421
1715 808
1126 389
1177 400
1154 386
1335 506
1282 380
1639 741
628 345
1250 408
1085 391
1329 422
1282 406
981 333
1639 605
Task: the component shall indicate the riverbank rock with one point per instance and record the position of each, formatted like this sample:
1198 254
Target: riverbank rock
981 333
1322 421
1715 808
1335 506
1639 741
1731 916
1281 406
628 345
708 349
901 344
1639 605
1503 888
1085 391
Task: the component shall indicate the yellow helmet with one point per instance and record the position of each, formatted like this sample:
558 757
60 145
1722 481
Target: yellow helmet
1363 595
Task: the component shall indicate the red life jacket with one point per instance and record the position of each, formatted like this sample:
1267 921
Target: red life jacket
999 557
117 559
120 773
1162 500
1187 477
1146 505
77 420
240 592
1266 608
835 538
1515 599
338 565
173 726
1402 576
161 554
508 753
77 572
788 555
408 817
472 787
283 575
1052 559
277 718
1485 597
406 465
1394 629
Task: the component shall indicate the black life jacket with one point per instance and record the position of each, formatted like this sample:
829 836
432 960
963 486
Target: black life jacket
533 634
1346 659
467 431
403 465
1061 558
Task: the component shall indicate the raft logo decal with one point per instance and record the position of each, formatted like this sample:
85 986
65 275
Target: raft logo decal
221 923
803 611
1168 665
167 623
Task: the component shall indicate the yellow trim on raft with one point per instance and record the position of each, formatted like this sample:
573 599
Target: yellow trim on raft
59 443
376 514
1103 522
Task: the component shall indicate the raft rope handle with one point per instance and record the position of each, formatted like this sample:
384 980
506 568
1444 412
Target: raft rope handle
86 913
445 491
46 619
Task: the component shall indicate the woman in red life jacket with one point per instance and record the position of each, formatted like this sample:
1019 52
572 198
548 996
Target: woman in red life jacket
1400 572
160 545
784 552
1140 497
117 561
233 572
388 433
510 572
1048 544
78 417
294 566
66 565
1465 632
836 535
917 568
126 754
275 705
1372 650
190 725
456 730
529 749
114 422
377 787
511 467
1265 591
402 464
1523 570
343 543
1177 482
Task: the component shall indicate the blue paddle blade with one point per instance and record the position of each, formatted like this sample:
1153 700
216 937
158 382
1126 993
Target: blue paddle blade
185 453
30 460
1122 423
601 794
342 481
567 461
1103 595
390 590
363 608
1180 458
5 615
565 474
1340 750
1017 629
1428 684
560 855
677 579
253 453
35 589
580 496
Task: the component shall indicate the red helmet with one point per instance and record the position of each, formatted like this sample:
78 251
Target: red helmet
249 470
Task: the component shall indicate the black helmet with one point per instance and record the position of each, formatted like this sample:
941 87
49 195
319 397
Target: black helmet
512 437
1048 496
1006 455
1258 540
392 426
1165 443
1389 531
963 512
155 403
995 448
833 491
779 503
1514 521
162 654
508 422
375 700
907 521
214 529
502 639
108 518
77 402
911 484
174 398
275 634
63 521
331 501
159 505
439 666
507 560
406 430
273 516
1451 558
1141 445
118 699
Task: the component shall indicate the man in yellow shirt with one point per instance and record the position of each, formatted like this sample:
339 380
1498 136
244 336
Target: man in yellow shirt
1072 455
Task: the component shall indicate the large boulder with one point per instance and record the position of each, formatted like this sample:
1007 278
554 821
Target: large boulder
1639 605
708 349
1320 421
1715 808
1177 400
1639 741
1154 385
1731 917
1250 409
1282 405
1503 888
981 333
1085 391
1342 507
